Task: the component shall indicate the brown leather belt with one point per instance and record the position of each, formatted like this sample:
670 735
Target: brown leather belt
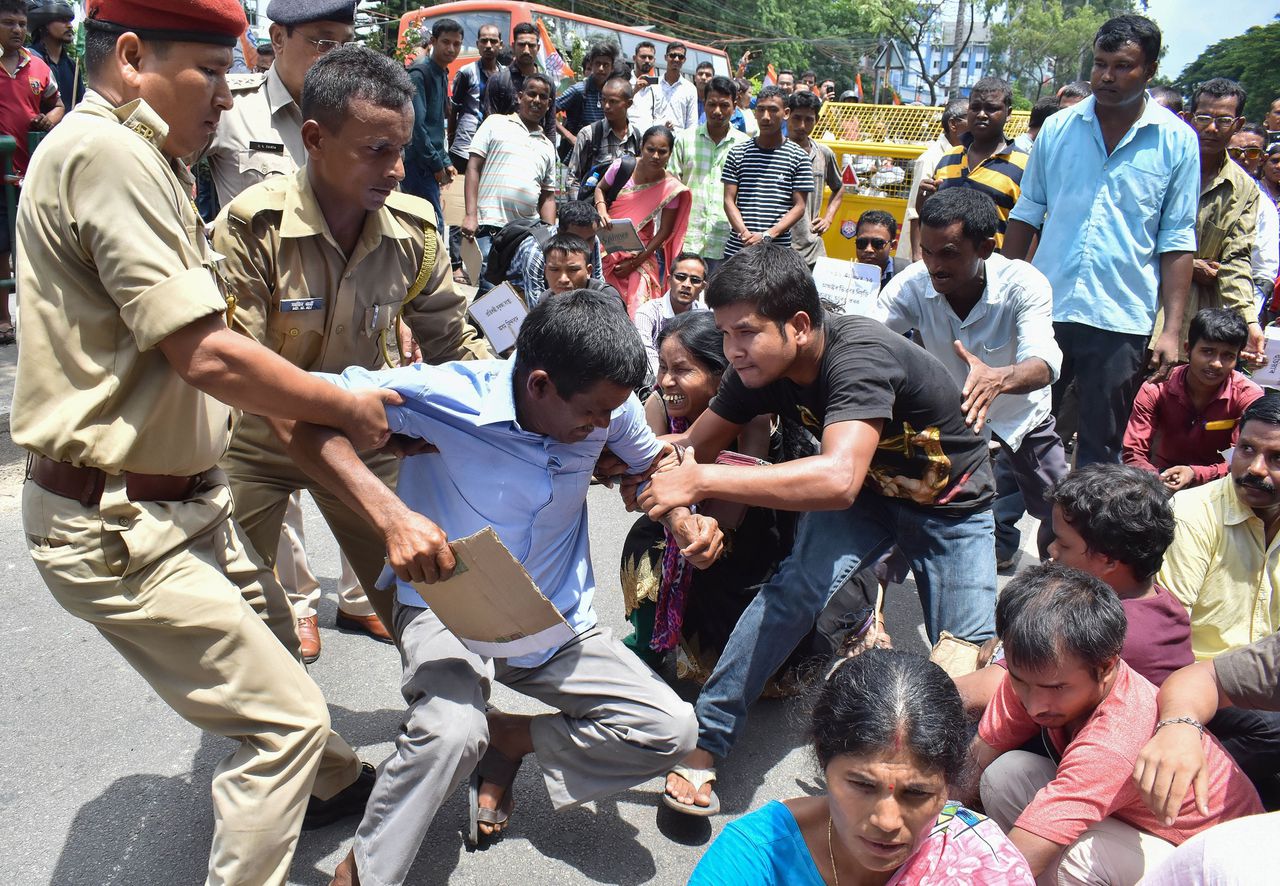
85 485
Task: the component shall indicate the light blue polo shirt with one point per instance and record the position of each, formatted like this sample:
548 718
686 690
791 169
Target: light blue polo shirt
491 472
1105 220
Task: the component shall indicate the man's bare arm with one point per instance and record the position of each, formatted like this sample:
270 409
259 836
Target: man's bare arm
1017 239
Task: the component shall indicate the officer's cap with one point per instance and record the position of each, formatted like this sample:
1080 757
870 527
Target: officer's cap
220 22
299 12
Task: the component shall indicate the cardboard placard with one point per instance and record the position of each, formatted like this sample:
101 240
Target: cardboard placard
491 604
852 287
620 236
1269 376
500 311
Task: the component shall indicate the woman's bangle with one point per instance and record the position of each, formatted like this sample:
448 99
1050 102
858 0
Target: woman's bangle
1190 721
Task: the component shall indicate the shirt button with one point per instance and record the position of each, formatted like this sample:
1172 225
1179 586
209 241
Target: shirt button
339 330
293 333
346 276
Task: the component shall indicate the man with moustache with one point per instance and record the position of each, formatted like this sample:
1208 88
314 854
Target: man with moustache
1224 565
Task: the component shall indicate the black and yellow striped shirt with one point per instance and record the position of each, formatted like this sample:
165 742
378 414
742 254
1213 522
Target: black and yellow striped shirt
999 177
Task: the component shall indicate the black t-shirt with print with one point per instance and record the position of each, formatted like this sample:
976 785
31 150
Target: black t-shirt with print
927 454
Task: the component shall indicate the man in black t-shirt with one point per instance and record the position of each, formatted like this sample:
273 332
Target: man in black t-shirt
898 466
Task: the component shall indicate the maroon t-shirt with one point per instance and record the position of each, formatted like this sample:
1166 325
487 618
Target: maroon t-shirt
1158 640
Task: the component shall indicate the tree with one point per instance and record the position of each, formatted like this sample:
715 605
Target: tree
1249 58
1040 44
917 26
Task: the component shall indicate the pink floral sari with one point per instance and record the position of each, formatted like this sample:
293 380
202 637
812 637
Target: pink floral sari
643 204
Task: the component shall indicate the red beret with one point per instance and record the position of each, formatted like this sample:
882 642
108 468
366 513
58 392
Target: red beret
194 21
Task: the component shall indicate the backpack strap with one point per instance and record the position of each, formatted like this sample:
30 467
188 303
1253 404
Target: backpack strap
626 166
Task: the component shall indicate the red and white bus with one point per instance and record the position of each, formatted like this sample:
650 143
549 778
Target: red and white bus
566 29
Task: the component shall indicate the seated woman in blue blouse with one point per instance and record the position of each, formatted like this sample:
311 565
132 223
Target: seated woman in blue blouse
888 730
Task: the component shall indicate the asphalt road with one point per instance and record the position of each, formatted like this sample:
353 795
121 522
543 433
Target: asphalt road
103 784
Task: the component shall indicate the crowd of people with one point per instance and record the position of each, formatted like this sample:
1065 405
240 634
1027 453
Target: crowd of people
1065 332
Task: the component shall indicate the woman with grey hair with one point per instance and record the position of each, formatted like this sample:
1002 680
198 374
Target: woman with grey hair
889 732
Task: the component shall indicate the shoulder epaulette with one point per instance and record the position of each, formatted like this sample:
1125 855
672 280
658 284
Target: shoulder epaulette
265 196
417 207
245 82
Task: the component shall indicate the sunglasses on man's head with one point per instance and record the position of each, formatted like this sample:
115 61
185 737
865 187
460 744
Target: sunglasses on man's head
873 242
1247 153
691 278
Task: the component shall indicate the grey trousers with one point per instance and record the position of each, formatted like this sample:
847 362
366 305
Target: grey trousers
619 725
1034 468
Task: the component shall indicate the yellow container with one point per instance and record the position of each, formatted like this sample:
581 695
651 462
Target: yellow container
881 143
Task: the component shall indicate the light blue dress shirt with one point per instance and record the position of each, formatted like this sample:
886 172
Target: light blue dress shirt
491 472
1105 220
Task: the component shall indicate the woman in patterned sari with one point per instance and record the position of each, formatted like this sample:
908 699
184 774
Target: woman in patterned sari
658 204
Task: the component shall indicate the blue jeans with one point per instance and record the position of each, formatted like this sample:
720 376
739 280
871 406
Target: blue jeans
952 557
422 183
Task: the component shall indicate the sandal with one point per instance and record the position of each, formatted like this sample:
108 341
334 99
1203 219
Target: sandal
866 632
495 767
698 778
7 334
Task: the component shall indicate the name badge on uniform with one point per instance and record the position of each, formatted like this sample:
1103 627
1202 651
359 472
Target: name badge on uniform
270 147
301 304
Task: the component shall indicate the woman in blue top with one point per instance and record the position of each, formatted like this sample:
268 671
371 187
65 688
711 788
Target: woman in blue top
888 730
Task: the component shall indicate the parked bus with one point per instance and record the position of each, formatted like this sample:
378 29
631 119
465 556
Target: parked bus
566 30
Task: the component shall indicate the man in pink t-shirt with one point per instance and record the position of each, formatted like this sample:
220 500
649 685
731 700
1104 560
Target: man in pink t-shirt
1081 819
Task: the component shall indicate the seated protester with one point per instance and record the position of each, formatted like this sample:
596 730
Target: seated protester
889 735
1224 565
989 321
1077 817
1180 426
684 293
1114 523
515 443
577 217
897 466
566 266
875 240
668 604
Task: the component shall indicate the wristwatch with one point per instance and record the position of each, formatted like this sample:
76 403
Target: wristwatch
766 238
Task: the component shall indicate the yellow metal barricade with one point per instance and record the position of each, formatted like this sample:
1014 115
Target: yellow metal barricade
881 144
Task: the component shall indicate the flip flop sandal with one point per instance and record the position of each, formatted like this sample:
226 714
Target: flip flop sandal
497 768
698 778
867 625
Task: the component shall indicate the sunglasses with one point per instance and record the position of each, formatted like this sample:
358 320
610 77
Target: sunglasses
676 56
873 242
690 278
1247 153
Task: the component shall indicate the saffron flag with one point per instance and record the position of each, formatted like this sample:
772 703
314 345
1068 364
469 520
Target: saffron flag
770 75
552 61
857 84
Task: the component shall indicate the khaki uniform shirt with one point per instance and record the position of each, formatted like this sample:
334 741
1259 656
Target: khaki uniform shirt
301 296
112 259
260 137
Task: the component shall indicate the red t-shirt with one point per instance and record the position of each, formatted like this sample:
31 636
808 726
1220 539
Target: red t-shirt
1094 779
1158 639
21 97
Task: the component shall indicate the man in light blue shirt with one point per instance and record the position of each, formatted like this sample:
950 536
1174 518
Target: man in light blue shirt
515 445
1112 187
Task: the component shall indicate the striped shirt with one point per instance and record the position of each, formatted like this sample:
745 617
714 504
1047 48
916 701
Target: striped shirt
519 165
999 176
767 181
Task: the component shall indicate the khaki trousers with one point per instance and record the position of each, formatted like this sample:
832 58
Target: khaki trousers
297 579
1109 853
175 589
263 477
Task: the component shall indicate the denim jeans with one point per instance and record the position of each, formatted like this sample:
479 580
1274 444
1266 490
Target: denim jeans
422 183
484 242
1107 368
952 556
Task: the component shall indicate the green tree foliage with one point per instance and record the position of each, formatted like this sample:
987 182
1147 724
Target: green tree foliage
1252 58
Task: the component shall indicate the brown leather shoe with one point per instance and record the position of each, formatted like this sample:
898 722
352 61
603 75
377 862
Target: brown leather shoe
364 624
309 638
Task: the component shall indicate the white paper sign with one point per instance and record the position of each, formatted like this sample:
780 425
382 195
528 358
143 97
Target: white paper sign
852 287
1269 376
500 311
620 236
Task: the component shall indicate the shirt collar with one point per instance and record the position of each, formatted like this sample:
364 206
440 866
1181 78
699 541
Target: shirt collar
277 93
303 217
24 59
1234 511
498 405
137 116
1222 176
1152 113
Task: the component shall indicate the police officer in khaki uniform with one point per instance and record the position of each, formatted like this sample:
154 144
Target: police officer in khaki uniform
260 137
126 517
322 263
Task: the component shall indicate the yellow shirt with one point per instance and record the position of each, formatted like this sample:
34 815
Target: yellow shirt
112 259
1222 570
